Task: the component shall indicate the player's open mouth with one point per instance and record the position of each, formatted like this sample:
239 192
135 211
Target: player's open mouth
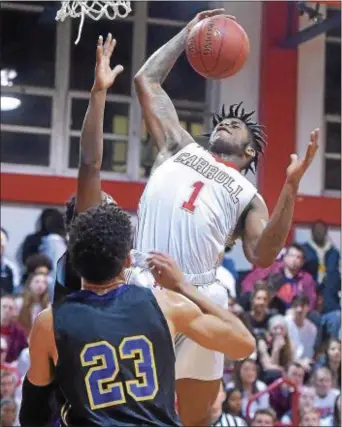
224 129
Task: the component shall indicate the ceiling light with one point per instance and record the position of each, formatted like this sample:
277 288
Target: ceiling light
9 103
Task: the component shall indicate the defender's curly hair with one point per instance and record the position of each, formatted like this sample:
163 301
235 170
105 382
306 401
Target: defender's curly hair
258 136
70 208
99 243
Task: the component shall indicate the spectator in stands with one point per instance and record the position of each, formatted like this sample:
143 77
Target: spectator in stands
335 419
246 381
332 360
264 418
9 410
326 394
276 353
32 242
330 327
11 329
8 384
37 263
53 244
11 367
221 418
307 398
259 315
302 332
9 281
323 263
232 404
35 299
310 418
320 254
281 397
293 280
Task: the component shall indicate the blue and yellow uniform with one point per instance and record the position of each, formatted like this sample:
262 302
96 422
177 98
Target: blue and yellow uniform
116 362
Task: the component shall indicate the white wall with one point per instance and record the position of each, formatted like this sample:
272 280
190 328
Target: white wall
310 107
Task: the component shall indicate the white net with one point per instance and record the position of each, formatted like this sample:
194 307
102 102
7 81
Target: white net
94 9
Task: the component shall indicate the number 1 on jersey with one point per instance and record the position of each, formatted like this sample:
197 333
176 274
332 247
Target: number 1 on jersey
190 204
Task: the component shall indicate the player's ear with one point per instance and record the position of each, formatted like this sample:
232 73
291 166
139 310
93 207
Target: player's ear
250 151
128 261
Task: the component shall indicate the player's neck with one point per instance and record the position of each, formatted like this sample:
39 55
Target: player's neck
104 288
229 160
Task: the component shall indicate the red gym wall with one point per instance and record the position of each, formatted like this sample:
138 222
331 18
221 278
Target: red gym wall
277 111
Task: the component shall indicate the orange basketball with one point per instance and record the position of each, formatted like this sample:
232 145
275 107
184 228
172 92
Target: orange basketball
217 47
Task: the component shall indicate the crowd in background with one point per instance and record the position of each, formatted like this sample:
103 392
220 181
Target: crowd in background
293 308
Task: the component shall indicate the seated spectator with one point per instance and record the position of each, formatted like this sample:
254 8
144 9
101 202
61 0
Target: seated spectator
302 332
310 418
35 299
264 418
232 403
10 367
307 398
32 242
335 419
9 411
53 243
281 397
326 394
246 381
259 315
293 280
9 281
11 329
330 327
332 360
276 352
221 418
8 385
37 264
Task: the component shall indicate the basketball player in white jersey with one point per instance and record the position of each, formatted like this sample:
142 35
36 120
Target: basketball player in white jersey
196 202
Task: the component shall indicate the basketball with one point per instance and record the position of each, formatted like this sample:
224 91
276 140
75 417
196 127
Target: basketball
217 47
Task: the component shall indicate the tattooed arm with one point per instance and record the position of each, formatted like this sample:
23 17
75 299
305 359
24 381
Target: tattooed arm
159 112
91 143
263 239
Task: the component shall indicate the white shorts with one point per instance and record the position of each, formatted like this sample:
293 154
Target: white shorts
192 360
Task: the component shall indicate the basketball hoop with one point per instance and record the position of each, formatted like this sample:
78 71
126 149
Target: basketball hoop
94 9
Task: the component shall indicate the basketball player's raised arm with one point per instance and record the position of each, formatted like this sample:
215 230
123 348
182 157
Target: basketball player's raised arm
263 237
158 110
196 316
91 143
38 384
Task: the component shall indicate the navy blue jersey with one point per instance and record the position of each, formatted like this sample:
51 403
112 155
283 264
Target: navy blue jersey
116 362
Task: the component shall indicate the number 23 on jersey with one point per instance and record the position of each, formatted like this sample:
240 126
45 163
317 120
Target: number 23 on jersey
101 383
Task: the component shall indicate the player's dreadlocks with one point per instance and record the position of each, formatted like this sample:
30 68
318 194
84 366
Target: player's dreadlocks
258 137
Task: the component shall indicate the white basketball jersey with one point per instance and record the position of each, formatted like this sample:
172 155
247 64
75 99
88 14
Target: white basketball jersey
190 206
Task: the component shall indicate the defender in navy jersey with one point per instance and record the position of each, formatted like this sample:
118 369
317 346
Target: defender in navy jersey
109 347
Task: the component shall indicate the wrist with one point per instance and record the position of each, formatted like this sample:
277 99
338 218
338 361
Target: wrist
97 91
292 185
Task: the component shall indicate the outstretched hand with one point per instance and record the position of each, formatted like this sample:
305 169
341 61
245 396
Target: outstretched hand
165 271
104 74
298 167
207 14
